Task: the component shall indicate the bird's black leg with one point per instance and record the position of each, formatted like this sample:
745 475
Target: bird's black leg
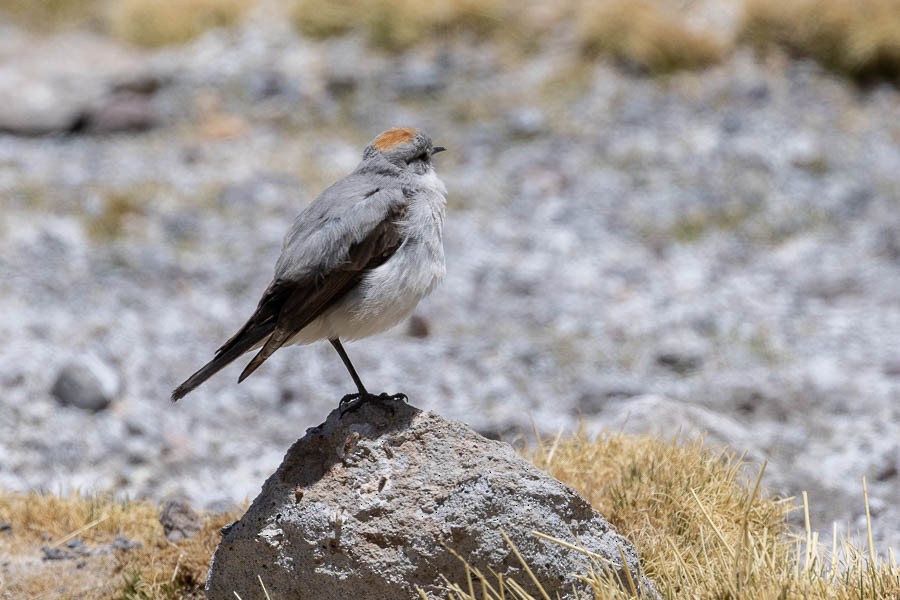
351 402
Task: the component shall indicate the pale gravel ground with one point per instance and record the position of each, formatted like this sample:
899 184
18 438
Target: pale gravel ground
575 288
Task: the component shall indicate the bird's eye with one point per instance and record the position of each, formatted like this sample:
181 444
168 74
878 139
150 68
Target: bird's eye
419 157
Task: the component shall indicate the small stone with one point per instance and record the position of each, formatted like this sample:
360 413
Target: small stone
891 368
123 543
678 362
417 327
179 520
596 393
122 112
86 383
681 351
419 78
51 553
526 122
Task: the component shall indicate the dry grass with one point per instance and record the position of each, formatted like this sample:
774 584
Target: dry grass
640 35
162 570
702 529
118 207
153 23
147 23
400 24
857 38
157 570
44 15
47 519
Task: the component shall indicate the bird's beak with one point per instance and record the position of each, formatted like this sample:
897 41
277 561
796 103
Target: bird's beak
437 149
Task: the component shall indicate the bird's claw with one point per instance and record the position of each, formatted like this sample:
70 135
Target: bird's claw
352 402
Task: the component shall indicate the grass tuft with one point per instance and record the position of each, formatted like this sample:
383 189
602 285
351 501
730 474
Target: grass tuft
396 25
702 528
157 570
45 15
154 23
859 38
640 35
161 570
110 222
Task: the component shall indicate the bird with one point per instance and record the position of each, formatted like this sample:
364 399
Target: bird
356 261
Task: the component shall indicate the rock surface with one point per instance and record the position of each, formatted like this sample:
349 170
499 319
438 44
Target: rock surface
179 520
51 85
86 383
362 506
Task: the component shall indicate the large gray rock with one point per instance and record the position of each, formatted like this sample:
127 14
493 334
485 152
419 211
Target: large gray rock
363 505
74 81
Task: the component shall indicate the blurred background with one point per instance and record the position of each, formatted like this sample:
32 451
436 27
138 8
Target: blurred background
667 216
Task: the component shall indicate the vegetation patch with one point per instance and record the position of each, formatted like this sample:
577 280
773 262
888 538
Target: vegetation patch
640 35
117 208
859 39
400 24
44 15
153 23
704 530
703 527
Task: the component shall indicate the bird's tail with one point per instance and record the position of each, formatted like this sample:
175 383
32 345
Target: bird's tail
232 349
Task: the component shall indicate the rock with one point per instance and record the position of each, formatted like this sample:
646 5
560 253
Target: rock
121 111
125 544
599 390
526 121
87 383
179 520
681 352
418 327
363 505
417 78
660 416
52 84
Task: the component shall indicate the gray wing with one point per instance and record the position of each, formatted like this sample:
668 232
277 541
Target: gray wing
350 228
330 247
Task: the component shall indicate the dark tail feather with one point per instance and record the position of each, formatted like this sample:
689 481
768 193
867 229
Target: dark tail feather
223 358
275 341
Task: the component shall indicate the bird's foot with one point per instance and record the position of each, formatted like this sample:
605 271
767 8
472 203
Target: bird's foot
352 402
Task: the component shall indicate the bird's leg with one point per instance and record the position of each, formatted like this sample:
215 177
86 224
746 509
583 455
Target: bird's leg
351 402
343 354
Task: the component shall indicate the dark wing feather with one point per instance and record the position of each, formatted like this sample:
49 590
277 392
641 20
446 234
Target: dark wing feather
350 228
256 329
309 301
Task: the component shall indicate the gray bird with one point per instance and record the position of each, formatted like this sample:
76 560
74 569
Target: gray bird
355 262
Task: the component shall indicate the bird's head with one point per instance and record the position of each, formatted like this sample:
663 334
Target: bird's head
406 148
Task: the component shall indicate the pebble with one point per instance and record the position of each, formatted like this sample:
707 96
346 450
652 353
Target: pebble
179 520
86 383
